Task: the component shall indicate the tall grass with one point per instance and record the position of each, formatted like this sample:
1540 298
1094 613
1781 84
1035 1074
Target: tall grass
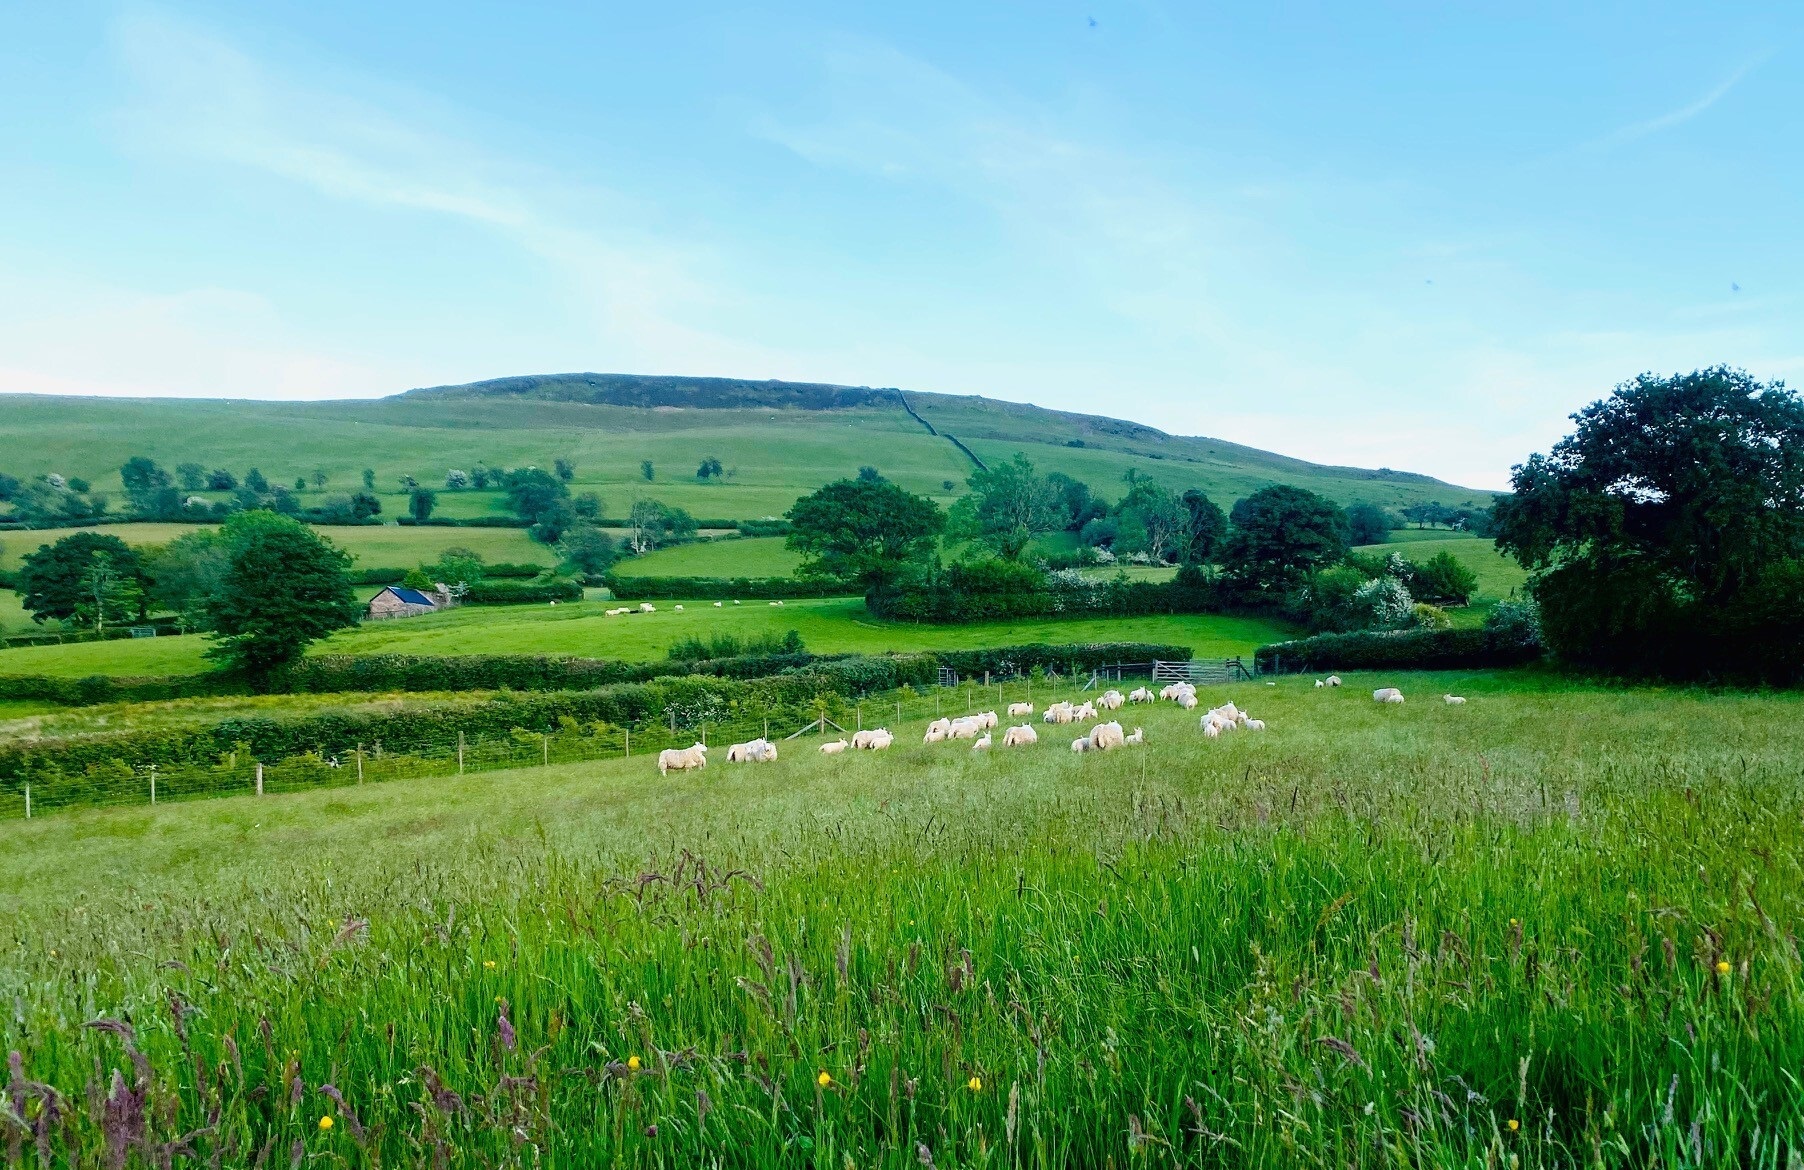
1365 937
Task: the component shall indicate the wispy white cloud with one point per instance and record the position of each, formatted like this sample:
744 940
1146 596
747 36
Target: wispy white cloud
1684 113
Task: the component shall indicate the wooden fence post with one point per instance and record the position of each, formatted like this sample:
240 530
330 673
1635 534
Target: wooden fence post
629 744
259 778
460 753
360 763
28 800
545 748
153 784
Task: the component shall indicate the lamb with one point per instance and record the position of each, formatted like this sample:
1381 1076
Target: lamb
679 609
1211 728
1176 691
717 605
1333 680
1133 738
936 734
1453 700
647 607
1087 711
1015 709
1110 700
982 744
1187 701
1141 695
1387 695
1081 744
874 740
758 751
966 728
1319 684
834 747
682 759
1254 725
1024 734
1105 736
1057 713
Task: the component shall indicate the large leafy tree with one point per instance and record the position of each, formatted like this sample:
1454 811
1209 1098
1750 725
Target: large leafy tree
1673 514
1281 534
1206 531
148 488
1369 524
1697 477
58 580
1152 520
185 574
865 531
1011 504
285 587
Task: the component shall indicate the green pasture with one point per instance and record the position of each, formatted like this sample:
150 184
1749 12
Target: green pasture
1414 535
828 626
758 556
1498 575
1550 927
13 618
385 546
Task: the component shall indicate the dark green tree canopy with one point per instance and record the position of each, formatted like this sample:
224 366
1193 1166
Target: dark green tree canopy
55 581
1699 477
1206 530
1012 504
284 588
1281 534
867 531
1368 524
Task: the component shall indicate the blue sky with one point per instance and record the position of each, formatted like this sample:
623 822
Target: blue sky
1415 234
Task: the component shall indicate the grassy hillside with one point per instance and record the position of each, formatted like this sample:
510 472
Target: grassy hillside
773 453
1456 936
760 556
828 626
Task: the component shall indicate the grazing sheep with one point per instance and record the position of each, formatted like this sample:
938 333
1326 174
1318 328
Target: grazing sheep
941 725
982 744
758 751
1453 700
1081 744
1133 738
966 728
1110 700
1387 695
1015 709
1254 725
717 605
874 740
1087 711
1015 736
679 609
1333 680
682 759
1057 713
1142 695
1187 701
735 602
834 747
1211 728
1176 691
936 734
647 607
1105 736
1319 684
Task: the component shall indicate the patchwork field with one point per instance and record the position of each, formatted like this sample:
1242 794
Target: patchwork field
1498 576
758 556
1545 928
384 546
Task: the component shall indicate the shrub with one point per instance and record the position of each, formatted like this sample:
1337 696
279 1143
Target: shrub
1382 603
1515 623
1464 649
1429 617
726 645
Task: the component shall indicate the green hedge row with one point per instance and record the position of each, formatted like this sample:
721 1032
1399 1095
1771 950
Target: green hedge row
464 522
945 604
97 689
724 588
1464 649
691 699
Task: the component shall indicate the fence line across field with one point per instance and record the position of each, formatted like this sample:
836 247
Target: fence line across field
357 763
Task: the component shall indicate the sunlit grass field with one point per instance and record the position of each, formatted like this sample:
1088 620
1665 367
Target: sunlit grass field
1550 927
758 556
829 626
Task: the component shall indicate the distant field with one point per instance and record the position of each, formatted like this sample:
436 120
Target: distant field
13 618
1498 576
827 626
1411 535
386 546
759 556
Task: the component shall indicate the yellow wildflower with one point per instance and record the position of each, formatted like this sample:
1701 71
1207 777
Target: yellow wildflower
824 1079
325 1123
1514 1125
488 964
975 1085
632 1063
1722 966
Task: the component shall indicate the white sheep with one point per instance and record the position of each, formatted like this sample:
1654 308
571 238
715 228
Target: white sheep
1110 700
1319 684
1453 700
735 602
834 747
1211 728
1254 725
1387 695
1187 701
987 718
941 725
757 751
647 607
1017 709
1133 738
1057 713
936 734
1023 734
682 759
966 728
1333 680
1087 711
1142 695
1105 736
717 605
982 744
679 609
874 740
1081 744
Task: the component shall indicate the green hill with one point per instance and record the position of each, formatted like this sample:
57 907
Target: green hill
776 440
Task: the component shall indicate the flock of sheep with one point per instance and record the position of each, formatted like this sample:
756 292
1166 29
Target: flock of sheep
648 607
977 728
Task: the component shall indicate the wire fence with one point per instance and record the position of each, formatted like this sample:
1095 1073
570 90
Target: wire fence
354 763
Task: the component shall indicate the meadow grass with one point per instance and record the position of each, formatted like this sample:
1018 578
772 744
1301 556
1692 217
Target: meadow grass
13 618
827 626
1551 927
374 546
1498 575
758 556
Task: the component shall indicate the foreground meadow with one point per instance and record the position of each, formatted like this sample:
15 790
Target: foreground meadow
1552 927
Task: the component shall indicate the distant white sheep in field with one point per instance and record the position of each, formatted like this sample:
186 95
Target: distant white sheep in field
717 605
679 609
1333 680
1087 711
1133 738
1057 713
758 751
1319 684
1016 736
1141 695
682 759
966 728
982 744
988 718
1187 701
1387 695
834 747
937 734
1453 700
1081 744
874 740
647 607
1254 725
1211 728
1110 700
1176 691
1017 709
